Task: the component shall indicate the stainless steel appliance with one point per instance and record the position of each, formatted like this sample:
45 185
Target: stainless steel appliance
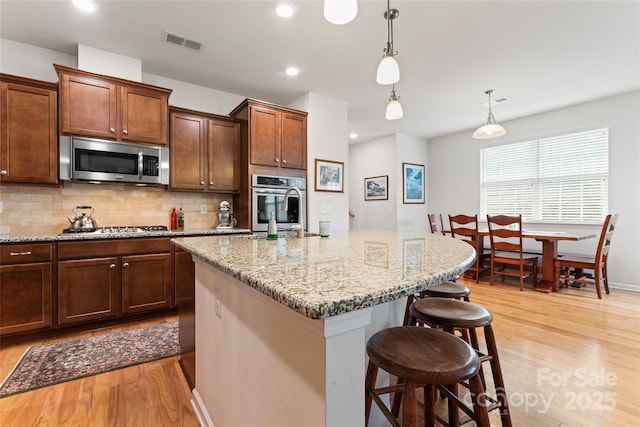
268 194
225 218
95 160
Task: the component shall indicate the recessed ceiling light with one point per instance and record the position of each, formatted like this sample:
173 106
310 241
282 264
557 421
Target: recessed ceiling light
353 135
285 10
86 5
292 71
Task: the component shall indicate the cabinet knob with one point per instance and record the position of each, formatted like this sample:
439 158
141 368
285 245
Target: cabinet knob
112 266
201 182
277 160
124 131
112 130
210 182
125 265
3 172
284 161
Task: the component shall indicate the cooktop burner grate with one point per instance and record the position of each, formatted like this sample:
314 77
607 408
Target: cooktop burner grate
117 229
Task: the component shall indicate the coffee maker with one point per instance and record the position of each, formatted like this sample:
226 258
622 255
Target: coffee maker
225 218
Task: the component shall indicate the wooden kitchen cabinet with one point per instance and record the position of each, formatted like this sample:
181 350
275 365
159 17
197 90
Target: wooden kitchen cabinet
87 290
146 282
276 136
101 279
106 107
25 287
28 135
205 152
185 278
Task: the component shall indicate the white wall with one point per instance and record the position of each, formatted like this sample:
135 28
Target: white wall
454 170
327 139
30 61
384 156
372 159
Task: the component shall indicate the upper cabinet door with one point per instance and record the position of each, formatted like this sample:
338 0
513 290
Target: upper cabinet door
29 137
224 155
144 116
188 152
264 136
88 106
294 141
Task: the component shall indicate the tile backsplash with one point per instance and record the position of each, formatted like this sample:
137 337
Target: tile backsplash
35 211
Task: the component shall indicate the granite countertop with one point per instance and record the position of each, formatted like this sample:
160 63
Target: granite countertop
323 277
97 236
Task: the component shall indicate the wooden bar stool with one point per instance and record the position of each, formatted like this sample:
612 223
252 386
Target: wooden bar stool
450 315
423 357
443 290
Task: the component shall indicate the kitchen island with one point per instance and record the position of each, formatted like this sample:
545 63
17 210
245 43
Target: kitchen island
281 325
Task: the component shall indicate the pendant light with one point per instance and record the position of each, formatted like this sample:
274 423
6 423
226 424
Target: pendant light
340 11
394 109
388 70
491 129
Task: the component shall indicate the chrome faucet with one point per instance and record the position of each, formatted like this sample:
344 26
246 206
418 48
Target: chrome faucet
285 207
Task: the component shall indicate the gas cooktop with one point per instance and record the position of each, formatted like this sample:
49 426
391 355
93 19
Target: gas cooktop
116 229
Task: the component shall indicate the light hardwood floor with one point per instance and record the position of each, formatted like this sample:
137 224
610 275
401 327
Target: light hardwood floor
568 358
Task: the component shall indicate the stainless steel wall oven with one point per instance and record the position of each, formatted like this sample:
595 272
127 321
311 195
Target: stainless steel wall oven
268 195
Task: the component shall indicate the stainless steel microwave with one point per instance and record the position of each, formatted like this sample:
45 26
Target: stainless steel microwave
95 160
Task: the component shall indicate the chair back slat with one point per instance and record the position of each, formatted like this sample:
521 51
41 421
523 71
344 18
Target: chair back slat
605 236
435 223
465 227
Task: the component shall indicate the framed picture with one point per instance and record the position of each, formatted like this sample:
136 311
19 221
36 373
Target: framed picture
375 188
412 183
329 176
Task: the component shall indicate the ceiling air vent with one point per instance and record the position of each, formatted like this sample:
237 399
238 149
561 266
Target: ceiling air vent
181 41
496 101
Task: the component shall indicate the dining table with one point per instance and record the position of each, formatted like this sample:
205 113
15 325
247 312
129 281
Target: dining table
549 240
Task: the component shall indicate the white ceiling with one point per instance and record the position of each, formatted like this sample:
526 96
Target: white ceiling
541 54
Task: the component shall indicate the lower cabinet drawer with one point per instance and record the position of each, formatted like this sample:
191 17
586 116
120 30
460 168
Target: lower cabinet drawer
25 253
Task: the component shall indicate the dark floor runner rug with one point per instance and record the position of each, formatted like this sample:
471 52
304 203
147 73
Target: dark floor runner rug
49 364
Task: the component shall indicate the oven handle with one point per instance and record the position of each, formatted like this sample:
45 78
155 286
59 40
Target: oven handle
275 191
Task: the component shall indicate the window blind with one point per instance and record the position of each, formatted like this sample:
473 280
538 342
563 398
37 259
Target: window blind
557 179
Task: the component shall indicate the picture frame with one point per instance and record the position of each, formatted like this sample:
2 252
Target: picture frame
329 176
413 188
376 188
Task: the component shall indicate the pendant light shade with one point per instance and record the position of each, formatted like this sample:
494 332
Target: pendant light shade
491 129
388 71
340 12
394 108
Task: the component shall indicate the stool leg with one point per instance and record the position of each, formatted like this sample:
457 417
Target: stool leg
429 405
479 403
407 315
370 384
396 400
498 380
476 345
409 405
454 419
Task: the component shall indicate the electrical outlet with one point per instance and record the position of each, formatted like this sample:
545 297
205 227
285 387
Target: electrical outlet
203 208
218 302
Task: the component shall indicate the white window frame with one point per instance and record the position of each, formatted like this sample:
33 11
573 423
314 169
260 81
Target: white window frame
514 177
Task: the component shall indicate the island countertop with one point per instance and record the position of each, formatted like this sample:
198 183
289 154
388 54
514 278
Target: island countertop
323 277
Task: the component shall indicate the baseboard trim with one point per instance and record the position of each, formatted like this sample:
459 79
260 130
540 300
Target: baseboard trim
201 412
624 287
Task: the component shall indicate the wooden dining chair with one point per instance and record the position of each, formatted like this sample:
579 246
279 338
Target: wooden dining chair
571 267
465 227
435 223
505 234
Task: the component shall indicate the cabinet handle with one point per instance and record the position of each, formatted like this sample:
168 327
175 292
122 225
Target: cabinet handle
277 160
112 266
284 161
3 172
125 265
112 130
20 253
124 131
